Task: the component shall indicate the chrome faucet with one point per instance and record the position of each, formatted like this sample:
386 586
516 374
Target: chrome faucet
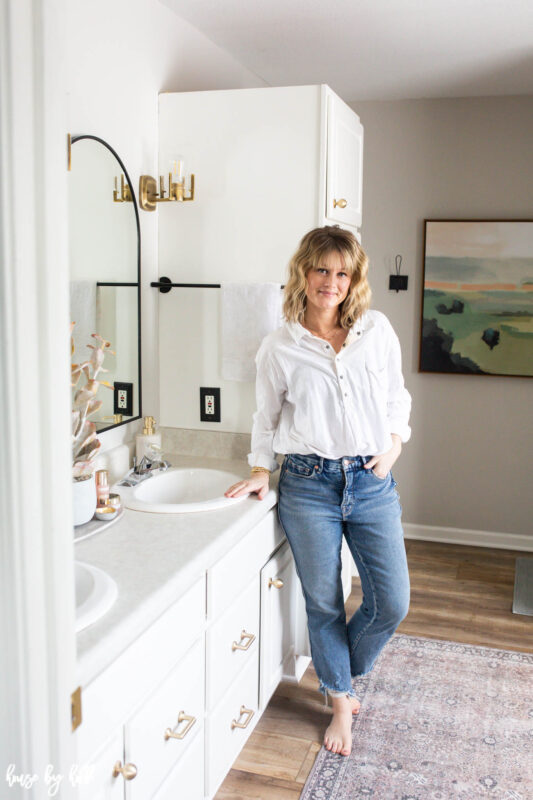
145 468
149 465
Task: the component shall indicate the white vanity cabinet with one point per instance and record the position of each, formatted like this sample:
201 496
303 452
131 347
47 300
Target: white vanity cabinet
270 164
278 624
179 703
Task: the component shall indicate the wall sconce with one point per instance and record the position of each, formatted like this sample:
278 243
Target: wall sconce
148 197
125 192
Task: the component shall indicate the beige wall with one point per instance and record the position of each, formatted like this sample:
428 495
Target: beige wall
467 464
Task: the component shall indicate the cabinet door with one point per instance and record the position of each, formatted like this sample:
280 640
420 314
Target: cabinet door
159 733
344 180
277 623
186 781
95 780
229 725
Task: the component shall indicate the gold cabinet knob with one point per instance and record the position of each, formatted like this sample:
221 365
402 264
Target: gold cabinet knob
244 635
128 771
340 203
244 710
275 582
171 734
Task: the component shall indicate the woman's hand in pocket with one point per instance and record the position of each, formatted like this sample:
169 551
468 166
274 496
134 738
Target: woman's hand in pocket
257 483
382 464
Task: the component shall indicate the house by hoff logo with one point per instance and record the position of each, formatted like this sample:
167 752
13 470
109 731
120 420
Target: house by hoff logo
77 776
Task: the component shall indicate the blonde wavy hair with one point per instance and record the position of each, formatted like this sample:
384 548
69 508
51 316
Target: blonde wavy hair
314 246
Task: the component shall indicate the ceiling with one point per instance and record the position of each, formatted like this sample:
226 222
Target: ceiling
376 49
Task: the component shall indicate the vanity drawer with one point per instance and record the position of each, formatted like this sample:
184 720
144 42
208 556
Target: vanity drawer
222 661
110 698
228 577
145 742
187 778
223 743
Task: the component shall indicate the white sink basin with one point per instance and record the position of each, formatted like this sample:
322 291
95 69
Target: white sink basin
96 592
180 490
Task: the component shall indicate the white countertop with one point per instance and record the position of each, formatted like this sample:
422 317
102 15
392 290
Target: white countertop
154 559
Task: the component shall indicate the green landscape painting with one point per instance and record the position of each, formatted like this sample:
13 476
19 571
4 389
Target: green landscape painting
477 310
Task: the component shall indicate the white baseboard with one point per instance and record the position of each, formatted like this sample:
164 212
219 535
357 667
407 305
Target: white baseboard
501 541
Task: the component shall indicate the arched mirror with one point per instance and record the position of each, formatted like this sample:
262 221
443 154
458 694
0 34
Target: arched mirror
105 273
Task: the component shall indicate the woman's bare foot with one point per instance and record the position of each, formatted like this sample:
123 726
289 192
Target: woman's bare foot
338 735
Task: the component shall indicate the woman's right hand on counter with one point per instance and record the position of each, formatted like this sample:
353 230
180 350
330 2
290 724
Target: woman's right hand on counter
257 483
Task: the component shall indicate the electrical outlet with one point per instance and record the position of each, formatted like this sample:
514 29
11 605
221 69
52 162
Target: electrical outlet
123 399
209 404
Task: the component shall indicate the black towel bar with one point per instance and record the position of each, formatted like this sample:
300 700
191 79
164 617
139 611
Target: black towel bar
165 285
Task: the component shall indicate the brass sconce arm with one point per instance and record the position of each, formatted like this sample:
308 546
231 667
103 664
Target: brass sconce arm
125 192
149 197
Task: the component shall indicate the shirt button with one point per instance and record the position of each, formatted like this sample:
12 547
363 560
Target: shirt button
359 333
346 394
341 377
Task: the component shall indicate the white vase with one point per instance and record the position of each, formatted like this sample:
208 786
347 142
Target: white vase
83 500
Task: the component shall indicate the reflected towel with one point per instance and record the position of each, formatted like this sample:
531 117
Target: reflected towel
249 312
83 313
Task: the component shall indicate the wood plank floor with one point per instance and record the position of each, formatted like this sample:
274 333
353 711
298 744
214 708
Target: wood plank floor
463 594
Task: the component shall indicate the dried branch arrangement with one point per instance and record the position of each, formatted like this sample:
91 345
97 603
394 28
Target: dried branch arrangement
85 443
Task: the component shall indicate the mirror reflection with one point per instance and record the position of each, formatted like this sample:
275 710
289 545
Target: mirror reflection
105 273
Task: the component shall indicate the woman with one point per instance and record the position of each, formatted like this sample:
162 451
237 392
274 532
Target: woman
331 397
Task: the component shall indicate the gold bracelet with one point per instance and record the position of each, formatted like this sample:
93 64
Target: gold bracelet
260 469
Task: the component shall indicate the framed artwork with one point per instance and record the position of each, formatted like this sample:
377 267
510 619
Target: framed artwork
477 297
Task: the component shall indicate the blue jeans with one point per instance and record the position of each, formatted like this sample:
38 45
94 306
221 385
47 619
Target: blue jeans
320 500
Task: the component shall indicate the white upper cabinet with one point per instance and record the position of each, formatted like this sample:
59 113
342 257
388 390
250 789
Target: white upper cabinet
268 164
344 183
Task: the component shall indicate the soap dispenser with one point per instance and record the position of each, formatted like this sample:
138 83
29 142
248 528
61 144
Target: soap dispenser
144 440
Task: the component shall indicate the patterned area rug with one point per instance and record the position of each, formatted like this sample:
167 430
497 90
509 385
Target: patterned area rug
438 720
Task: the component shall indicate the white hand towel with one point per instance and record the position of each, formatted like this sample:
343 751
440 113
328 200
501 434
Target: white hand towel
249 312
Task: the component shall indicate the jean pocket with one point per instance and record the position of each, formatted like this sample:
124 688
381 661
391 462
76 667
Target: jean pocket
378 477
302 466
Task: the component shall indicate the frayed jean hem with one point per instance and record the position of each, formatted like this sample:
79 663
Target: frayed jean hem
325 690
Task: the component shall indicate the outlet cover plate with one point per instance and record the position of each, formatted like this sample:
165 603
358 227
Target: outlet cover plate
209 404
123 399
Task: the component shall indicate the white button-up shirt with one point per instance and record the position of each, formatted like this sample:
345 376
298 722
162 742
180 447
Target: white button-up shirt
311 399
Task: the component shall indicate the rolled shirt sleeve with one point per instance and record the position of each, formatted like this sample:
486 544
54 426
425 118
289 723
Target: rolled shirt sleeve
398 398
270 390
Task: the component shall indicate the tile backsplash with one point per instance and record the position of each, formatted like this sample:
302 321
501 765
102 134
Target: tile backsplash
211 444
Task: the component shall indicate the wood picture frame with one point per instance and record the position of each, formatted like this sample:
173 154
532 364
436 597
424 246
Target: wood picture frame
477 297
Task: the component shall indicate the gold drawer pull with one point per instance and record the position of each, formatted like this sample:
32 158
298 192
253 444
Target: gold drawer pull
128 771
244 635
340 203
169 733
275 582
244 710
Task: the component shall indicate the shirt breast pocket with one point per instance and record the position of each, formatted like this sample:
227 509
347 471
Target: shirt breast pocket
377 378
